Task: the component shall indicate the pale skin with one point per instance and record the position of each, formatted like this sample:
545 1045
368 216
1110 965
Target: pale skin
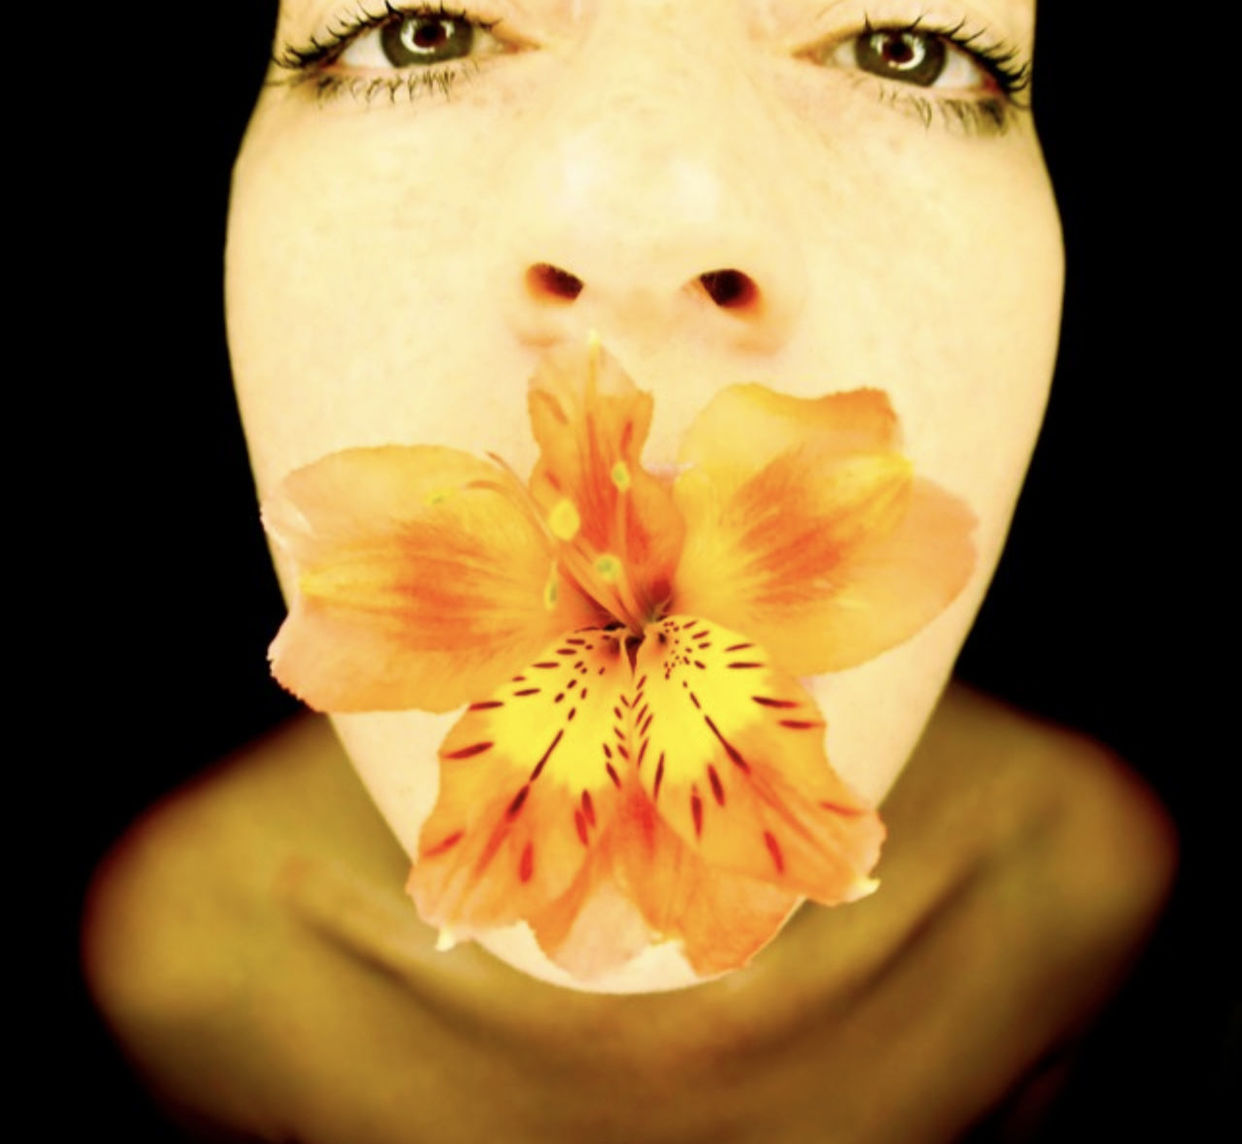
251 942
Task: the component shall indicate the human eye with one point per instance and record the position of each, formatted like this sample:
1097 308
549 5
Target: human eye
953 73
396 53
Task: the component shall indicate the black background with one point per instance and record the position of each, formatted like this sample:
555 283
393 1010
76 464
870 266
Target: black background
154 605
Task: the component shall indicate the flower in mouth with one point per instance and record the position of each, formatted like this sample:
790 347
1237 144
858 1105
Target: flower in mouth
636 761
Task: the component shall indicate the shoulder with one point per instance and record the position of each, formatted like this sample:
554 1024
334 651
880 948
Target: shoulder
191 920
1019 784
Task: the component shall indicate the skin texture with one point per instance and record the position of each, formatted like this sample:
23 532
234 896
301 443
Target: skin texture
250 946
384 279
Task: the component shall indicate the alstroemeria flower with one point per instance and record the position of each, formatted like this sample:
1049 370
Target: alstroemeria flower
637 760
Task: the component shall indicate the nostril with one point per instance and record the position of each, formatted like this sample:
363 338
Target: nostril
730 289
547 281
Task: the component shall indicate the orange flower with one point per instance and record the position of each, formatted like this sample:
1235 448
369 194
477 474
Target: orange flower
636 761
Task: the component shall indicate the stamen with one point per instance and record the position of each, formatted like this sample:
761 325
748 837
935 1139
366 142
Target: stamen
621 475
564 520
551 590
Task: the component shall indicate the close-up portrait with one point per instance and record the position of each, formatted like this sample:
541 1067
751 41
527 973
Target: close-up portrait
648 549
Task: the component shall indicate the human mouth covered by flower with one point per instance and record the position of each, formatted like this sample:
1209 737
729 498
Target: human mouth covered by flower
637 761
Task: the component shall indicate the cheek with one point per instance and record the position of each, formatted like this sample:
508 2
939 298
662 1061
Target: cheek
938 272
351 248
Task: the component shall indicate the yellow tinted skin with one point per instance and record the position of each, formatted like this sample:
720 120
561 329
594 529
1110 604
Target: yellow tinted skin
251 946
400 258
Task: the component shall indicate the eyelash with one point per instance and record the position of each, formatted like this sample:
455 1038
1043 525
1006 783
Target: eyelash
309 64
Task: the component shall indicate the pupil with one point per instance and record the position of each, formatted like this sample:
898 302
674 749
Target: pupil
429 35
899 51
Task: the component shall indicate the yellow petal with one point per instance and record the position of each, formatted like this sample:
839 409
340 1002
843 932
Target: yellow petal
423 580
731 753
529 782
591 424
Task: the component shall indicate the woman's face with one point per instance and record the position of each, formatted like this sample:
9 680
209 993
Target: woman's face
723 190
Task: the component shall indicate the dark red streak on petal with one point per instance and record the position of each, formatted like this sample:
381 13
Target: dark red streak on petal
527 865
571 685
642 682
739 664
588 807
444 844
559 696
774 848
695 700
575 641
696 812
519 800
468 752
546 755
764 701
800 724
717 785
485 705
642 750
730 749
572 712
566 651
528 691
612 774
837 808
659 778
700 665
739 646
580 824
546 664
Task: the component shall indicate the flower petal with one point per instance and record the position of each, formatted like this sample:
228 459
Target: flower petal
595 927
731 752
744 427
830 553
591 424
722 919
529 781
423 580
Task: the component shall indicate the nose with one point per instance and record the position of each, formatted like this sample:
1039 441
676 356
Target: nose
646 204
